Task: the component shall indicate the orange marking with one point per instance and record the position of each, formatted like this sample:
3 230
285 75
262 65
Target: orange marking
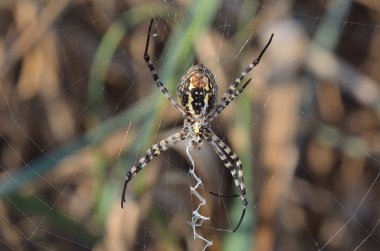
198 80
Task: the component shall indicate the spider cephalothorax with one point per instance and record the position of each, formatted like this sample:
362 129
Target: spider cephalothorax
197 90
197 93
196 130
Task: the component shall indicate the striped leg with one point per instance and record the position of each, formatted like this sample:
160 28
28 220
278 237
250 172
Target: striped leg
154 151
255 62
229 159
226 102
156 77
231 90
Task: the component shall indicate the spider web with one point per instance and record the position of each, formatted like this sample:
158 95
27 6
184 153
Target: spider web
79 107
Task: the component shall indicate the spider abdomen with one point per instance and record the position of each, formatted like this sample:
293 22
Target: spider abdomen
197 90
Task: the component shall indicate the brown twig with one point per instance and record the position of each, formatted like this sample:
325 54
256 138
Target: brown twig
32 34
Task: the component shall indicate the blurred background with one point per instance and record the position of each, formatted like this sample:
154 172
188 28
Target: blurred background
79 107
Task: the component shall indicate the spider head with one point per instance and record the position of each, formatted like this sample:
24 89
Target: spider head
197 90
196 140
195 131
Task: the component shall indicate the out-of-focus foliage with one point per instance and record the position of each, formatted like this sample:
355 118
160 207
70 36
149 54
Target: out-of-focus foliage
78 106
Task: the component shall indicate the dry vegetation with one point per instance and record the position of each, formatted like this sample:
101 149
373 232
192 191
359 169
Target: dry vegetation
78 105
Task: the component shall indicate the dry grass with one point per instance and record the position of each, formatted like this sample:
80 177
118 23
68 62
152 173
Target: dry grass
78 107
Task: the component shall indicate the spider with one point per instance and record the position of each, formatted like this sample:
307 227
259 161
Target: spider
197 94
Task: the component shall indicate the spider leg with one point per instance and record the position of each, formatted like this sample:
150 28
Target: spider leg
233 85
226 102
229 159
156 78
255 62
152 152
